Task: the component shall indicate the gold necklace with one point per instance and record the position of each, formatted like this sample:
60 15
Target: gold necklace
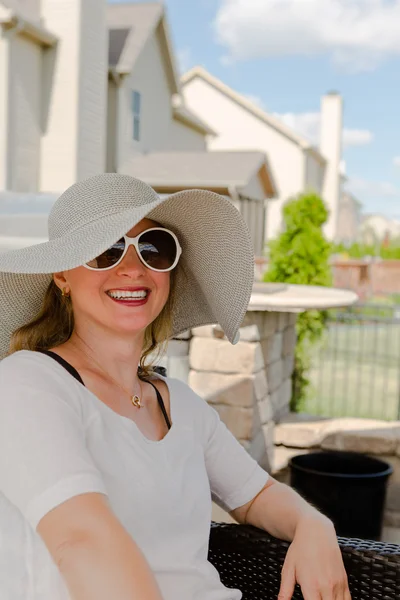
135 399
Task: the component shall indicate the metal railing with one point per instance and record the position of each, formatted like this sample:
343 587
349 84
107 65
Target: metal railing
356 366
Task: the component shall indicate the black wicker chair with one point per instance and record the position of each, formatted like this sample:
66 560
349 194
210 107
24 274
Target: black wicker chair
251 560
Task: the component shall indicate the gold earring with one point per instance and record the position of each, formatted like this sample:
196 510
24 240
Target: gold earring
65 292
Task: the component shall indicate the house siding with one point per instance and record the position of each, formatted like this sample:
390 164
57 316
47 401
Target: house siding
92 89
24 114
238 129
314 174
183 138
4 107
159 131
254 211
111 158
150 80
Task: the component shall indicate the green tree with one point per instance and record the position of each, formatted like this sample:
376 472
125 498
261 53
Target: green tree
301 255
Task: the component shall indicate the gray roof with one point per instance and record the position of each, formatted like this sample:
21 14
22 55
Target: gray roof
196 169
130 25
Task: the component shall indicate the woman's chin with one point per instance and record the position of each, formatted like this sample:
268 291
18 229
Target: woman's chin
131 326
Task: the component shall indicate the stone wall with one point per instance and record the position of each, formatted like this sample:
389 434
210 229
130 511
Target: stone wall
302 433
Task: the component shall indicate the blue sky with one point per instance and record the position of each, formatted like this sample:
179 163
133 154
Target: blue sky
285 54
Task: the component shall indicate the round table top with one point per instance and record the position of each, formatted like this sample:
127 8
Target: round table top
280 297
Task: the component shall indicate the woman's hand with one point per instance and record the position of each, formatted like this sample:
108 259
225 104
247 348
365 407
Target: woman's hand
314 561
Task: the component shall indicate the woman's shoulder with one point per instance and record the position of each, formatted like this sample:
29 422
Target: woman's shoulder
178 388
186 398
32 369
23 359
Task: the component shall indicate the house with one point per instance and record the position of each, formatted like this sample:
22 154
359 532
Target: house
146 112
297 165
87 87
243 177
53 92
76 77
376 228
349 219
151 132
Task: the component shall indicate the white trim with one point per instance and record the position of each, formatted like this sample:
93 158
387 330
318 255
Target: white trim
39 34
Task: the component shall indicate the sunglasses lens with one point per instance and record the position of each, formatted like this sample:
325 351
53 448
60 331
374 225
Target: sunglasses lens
109 257
158 249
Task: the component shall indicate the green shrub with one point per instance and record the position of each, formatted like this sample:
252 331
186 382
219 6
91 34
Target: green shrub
300 255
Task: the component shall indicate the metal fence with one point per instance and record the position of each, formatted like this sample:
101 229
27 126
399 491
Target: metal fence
356 366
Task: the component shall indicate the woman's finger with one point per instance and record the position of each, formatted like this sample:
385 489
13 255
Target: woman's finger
288 582
312 593
346 594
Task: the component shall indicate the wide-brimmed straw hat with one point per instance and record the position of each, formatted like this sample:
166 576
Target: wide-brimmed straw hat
214 277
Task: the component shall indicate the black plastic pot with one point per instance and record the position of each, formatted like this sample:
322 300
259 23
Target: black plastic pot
348 487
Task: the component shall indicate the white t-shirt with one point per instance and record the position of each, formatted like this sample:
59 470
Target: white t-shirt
58 440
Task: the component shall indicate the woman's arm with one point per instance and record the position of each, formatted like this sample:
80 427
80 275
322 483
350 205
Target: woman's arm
97 558
314 559
278 509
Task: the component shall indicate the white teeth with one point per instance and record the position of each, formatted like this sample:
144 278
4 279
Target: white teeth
118 294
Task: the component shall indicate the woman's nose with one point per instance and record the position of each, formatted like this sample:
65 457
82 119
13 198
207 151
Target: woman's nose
131 262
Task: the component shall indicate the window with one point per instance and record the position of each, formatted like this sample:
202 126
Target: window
136 101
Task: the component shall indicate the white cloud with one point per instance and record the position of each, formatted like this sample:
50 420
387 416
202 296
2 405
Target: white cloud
308 124
396 161
357 137
356 34
357 185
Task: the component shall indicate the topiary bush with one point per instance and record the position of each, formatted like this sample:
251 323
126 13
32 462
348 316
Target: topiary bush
301 255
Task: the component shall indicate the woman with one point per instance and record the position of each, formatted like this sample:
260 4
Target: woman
110 469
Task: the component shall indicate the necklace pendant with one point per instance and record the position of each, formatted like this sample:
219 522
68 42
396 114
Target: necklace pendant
136 401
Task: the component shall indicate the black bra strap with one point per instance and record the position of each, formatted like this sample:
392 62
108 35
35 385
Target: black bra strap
64 364
72 371
161 403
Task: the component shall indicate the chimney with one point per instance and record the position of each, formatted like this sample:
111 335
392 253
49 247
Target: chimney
74 88
331 149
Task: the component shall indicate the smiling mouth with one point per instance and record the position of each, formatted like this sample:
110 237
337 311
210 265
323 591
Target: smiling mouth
128 295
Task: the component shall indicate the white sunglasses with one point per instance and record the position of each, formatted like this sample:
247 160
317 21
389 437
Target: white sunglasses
157 248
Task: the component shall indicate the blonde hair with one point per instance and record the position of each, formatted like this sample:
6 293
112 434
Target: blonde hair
54 324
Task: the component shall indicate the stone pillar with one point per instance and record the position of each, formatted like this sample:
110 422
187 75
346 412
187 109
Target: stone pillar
249 384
